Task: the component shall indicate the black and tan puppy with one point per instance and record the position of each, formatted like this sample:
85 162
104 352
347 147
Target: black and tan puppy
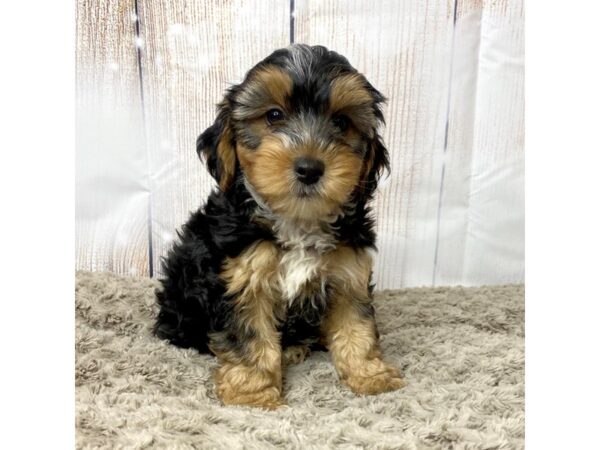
279 258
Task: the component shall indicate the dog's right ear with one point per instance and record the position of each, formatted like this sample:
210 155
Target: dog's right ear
216 146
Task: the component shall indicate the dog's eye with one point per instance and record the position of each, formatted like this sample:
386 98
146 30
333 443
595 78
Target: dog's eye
341 122
274 115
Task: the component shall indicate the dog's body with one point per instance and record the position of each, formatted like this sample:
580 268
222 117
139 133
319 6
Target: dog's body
278 259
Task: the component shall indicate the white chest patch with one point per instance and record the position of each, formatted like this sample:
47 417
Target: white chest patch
303 246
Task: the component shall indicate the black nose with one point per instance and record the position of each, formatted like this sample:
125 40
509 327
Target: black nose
308 170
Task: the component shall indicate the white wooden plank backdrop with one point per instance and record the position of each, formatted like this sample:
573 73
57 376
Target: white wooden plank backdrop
452 210
481 227
111 162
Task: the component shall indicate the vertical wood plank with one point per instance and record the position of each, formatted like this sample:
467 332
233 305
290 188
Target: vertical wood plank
494 253
111 166
404 48
481 234
192 51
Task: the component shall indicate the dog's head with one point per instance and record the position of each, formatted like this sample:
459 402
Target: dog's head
302 131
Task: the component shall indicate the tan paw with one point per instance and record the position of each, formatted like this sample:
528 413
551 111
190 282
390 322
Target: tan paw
295 354
243 385
268 398
375 384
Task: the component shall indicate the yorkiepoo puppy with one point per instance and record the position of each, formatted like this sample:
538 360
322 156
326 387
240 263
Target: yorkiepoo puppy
279 258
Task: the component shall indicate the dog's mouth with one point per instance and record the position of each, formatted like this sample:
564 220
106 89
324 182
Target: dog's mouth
304 191
300 201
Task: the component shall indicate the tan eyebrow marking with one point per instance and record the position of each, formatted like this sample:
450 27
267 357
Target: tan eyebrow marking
270 85
348 91
276 82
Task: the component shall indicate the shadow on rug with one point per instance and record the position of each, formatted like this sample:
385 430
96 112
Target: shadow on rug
461 351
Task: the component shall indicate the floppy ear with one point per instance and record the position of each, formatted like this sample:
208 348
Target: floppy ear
217 147
376 160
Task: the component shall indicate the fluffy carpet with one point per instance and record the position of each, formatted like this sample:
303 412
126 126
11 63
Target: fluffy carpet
461 351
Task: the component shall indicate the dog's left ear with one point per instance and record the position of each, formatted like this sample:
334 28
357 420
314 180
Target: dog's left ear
216 146
376 159
375 162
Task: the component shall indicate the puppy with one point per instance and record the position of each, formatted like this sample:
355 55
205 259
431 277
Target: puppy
279 258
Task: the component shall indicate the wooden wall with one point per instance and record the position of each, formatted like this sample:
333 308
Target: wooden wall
150 72
111 178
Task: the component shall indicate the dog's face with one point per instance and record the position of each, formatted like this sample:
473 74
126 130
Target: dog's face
301 130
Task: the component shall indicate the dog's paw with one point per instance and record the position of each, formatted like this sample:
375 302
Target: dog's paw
268 398
375 384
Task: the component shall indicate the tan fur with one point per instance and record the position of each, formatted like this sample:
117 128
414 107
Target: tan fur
239 384
254 378
348 91
226 153
350 96
349 270
351 336
270 170
295 354
269 87
277 82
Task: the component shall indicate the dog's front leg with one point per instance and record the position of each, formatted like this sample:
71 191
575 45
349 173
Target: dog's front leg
249 349
350 330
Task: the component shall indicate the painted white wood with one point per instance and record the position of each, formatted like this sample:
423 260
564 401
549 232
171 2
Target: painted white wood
111 165
452 210
495 246
481 234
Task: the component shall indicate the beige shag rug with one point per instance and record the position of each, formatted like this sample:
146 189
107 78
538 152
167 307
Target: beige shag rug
461 351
